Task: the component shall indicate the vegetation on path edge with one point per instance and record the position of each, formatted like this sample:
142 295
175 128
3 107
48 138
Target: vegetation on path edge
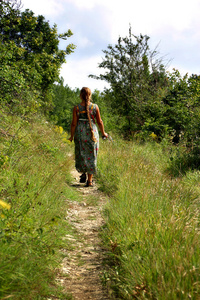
34 189
152 221
151 229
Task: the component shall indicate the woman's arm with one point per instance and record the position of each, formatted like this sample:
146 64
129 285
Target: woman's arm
100 122
73 124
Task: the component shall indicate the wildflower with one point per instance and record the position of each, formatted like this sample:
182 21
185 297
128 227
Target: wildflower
153 135
60 129
5 205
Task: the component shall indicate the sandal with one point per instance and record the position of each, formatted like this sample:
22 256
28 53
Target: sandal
89 184
83 178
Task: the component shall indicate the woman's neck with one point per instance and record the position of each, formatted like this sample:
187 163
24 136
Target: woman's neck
84 104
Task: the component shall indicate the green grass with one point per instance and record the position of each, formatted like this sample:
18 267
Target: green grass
34 174
152 218
151 223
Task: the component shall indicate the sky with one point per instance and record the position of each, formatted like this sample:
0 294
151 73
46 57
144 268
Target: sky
173 27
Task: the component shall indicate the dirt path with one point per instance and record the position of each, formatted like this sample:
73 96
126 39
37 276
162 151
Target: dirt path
82 269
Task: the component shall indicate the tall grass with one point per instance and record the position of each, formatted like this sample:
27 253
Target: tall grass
34 171
151 224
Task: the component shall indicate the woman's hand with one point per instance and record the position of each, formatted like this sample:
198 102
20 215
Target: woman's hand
105 135
71 139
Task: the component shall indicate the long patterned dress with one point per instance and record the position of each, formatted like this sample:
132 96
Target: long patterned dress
85 148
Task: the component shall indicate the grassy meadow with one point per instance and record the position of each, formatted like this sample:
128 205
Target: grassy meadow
34 172
152 220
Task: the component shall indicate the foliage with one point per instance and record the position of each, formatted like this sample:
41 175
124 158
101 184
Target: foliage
149 102
64 100
34 171
18 92
181 105
112 121
180 120
30 54
137 77
151 229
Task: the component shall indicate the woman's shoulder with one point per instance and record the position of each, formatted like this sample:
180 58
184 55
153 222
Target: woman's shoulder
93 105
77 108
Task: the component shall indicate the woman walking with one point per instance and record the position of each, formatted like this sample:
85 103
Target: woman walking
86 136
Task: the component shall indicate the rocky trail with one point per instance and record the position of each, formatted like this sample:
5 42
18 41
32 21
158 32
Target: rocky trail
82 270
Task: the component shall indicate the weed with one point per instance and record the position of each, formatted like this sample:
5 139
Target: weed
34 196
151 224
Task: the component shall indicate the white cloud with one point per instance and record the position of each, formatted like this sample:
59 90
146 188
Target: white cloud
147 17
84 42
97 23
44 7
89 4
76 72
143 14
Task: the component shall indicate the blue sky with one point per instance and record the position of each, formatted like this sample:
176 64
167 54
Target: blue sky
173 24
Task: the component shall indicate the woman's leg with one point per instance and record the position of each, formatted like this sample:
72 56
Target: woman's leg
83 178
90 179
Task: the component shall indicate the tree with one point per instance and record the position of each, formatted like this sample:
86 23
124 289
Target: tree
181 110
137 79
35 45
63 101
181 113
